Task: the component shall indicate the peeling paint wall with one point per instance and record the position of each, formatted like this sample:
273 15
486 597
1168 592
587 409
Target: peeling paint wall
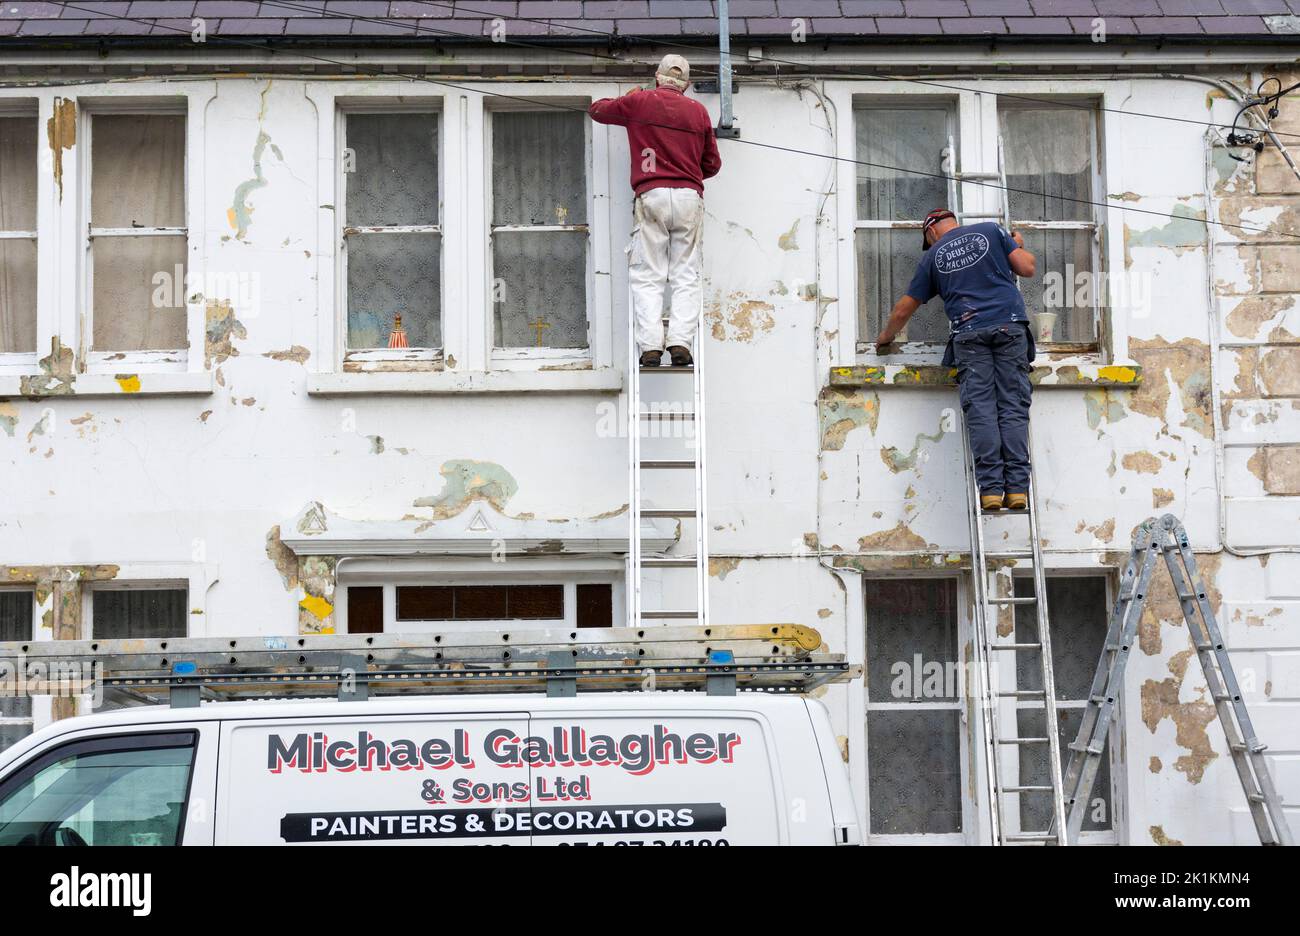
811 486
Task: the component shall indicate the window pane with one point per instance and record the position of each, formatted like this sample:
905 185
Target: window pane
481 603
541 293
18 173
1078 617
595 606
17 213
391 275
915 771
1036 808
137 170
536 602
144 612
365 609
425 603
139 301
911 636
11 733
102 798
394 180
15 615
1063 285
539 168
906 139
1048 151
886 262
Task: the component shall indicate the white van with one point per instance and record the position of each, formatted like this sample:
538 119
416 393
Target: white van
603 769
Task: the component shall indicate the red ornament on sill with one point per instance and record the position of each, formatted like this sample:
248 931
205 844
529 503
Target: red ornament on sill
397 337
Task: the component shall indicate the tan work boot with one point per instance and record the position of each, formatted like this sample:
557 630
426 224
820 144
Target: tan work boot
990 502
1017 501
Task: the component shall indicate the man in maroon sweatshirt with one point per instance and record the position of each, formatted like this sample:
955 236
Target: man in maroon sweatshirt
673 151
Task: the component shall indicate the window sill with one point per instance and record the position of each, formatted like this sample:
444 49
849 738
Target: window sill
167 383
602 380
1050 375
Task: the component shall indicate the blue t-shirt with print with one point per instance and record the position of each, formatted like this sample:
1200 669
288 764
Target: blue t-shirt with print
969 268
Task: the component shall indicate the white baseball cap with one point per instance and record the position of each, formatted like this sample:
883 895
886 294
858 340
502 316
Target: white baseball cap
675 67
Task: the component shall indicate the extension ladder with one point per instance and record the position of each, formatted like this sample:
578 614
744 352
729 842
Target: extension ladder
685 452
988 646
1153 539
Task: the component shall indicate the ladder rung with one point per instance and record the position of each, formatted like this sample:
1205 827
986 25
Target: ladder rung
1027 789
1013 601
661 513
667 369
664 614
1007 555
1022 740
668 562
1031 837
668 463
1016 646
1022 694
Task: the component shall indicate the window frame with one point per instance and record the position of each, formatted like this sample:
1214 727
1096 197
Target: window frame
40 712
468 363
141 584
362 359
506 357
976 145
390 574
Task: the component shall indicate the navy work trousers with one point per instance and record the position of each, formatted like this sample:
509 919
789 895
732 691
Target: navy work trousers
994 387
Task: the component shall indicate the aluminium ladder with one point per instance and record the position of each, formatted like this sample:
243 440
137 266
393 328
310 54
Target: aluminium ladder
1154 539
686 427
987 643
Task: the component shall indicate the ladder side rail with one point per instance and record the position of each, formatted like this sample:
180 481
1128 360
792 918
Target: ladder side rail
633 597
1050 724
1096 741
984 662
1222 683
701 474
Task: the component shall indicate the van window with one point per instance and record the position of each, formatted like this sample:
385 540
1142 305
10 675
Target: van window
101 791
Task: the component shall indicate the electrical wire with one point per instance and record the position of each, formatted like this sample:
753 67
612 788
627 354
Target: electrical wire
534 102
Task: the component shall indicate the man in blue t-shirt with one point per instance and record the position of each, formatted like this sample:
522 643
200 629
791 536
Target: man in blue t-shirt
974 268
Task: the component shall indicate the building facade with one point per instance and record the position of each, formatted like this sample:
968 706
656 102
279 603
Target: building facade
212 215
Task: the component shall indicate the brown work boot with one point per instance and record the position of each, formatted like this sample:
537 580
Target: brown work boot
1017 500
681 356
651 358
990 502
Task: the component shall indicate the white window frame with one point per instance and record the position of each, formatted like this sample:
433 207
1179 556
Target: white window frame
467 320
509 358
976 142
29 106
971 819
63 238
390 574
372 358
950 105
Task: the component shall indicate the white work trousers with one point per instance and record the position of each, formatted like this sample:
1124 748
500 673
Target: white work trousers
666 250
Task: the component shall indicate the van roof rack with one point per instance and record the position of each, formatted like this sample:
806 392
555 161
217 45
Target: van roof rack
720 660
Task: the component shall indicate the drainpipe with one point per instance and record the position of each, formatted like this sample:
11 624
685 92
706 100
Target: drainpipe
726 120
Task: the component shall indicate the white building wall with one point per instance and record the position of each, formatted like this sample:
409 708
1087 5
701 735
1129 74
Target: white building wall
151 482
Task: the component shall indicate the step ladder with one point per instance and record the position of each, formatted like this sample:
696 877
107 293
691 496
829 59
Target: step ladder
685 429
1156 538
994 701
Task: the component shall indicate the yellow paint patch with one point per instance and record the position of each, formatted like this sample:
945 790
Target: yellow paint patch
130 383
316 606
1117 373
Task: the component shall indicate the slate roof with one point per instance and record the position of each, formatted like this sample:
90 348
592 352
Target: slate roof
592 20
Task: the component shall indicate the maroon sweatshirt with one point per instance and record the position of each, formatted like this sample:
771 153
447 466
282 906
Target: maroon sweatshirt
676 129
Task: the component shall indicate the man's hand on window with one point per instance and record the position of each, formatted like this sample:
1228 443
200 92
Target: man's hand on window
1015 236
884 343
